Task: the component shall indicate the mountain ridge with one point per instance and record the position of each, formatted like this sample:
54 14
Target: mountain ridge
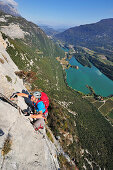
51 30
8 8
89 34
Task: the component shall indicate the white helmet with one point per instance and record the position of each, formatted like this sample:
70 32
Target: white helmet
37 94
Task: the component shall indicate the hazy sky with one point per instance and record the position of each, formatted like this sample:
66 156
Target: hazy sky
64 12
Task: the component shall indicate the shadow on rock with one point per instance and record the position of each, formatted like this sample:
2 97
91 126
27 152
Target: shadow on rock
30 108
1 132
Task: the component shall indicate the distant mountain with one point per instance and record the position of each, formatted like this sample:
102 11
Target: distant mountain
8 9
61 29
52 30
90 35
48 30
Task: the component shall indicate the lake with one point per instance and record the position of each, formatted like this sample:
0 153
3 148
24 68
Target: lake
78 79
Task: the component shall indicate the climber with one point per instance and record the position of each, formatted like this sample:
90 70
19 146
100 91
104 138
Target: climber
40 102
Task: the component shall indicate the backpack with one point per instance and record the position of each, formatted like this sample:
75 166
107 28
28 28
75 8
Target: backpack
44 98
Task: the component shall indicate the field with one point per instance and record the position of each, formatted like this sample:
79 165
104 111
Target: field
111 114
107 107
97 104
91 99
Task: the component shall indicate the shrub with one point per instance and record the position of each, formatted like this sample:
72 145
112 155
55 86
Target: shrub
8 78
29 76
49 136
2 61
5 57
64 164
7 146
4 36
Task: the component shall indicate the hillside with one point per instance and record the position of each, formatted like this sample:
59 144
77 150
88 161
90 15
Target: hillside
90 35
32 48
84 134
94 44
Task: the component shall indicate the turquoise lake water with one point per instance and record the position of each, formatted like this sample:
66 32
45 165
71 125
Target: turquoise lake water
78 79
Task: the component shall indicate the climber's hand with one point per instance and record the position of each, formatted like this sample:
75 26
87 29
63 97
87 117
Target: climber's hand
13 96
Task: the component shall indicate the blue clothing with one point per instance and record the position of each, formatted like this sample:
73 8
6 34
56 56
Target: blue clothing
30 96
39 107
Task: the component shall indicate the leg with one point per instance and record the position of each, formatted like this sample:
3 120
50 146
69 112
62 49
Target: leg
39 124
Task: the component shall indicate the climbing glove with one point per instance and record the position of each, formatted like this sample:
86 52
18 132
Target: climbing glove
14 96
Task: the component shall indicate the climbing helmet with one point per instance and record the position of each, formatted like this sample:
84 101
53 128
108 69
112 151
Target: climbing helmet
37 94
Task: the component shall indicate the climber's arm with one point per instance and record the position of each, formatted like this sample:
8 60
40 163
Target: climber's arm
22 95
40 115
18 94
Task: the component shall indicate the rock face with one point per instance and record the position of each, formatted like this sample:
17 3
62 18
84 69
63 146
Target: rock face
8 8
13 31
9 82
27 149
